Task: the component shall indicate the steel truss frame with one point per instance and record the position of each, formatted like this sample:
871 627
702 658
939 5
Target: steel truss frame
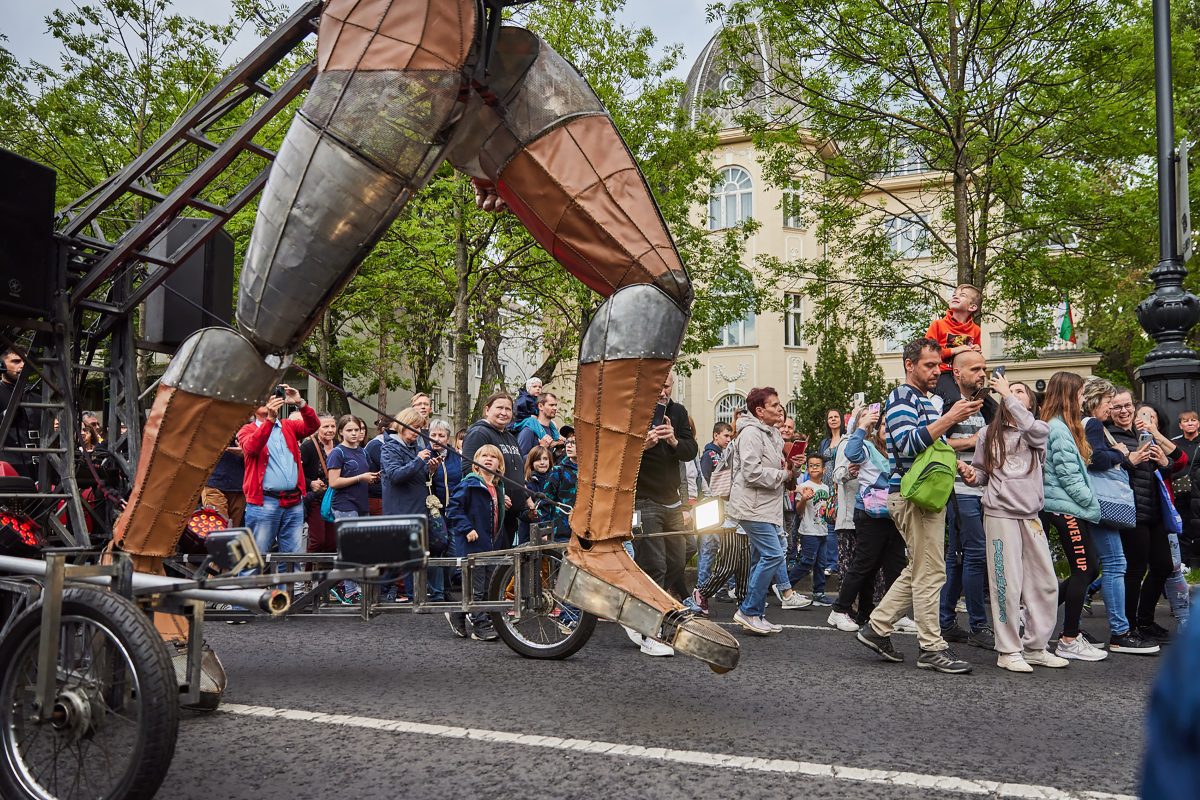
212 162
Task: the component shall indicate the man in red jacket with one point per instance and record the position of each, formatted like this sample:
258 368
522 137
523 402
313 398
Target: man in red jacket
274 478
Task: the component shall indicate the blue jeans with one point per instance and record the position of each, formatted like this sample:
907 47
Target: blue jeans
273 526
814 558
1178 594
766 549
831 549
966 562
709 543
783 581
1107 542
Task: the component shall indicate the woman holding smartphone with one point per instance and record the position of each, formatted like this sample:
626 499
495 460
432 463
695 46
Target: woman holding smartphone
1147 549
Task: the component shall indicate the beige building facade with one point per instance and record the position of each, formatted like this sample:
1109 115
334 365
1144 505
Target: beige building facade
770 349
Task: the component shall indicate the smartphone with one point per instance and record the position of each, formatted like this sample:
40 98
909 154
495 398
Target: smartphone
980 392
875 408
858 399
660 414
998 370
796 450
1145 439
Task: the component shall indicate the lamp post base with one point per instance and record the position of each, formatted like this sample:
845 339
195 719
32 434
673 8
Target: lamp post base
1172 384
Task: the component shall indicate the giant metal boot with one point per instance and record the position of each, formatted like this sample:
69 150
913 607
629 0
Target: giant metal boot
543 140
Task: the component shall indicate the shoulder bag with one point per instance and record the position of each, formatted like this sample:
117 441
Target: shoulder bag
1112 490
721 482
327 500
930 481
1171 519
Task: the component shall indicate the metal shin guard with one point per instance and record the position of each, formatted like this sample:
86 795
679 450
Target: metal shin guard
371 132
211 387
676 627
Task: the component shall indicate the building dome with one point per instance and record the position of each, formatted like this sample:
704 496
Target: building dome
714 76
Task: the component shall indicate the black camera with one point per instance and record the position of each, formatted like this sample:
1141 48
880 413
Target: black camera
280 392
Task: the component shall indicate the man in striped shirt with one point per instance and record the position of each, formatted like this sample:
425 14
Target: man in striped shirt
913 424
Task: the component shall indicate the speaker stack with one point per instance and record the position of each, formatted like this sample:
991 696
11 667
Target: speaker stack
198 294
26 236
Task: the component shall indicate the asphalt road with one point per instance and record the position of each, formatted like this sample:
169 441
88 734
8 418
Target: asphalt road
393 696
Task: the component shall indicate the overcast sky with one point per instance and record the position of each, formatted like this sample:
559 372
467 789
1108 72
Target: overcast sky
22 21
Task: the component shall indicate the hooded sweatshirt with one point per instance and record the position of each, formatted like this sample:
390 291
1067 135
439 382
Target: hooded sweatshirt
949 332
1015 490
482 433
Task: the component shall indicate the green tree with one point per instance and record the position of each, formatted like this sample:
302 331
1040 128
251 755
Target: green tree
845 364
1004 107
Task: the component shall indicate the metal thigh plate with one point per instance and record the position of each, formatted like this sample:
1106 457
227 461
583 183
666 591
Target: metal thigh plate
639 321
322 211
220 363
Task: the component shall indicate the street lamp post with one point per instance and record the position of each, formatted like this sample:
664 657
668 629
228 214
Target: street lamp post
1171 375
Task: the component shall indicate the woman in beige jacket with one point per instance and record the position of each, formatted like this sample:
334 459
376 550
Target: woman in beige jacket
760 477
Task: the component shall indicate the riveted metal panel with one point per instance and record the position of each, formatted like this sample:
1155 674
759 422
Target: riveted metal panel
220 363
638 321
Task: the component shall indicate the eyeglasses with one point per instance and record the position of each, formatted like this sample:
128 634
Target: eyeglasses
1122 407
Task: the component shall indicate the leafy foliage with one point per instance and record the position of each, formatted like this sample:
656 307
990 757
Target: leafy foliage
845 364
999 129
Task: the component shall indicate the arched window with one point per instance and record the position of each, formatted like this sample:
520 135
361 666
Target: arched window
727 404
793 409
732 199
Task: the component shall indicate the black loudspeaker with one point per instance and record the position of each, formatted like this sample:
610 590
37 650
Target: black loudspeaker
26 236
205 279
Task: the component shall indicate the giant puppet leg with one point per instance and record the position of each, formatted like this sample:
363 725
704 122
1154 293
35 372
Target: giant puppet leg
542 137
371 133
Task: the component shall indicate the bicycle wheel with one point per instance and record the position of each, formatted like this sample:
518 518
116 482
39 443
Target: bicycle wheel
544 627
112 731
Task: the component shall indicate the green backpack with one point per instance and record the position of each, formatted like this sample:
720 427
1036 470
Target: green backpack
931 480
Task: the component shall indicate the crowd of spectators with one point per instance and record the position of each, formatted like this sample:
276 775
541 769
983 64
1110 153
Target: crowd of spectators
1054 500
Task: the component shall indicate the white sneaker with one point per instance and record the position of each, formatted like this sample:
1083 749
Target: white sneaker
633 635
1079 650
1044 658
775 589
652 648
774 628
905 625
797 600
756 625
1013 662
841 621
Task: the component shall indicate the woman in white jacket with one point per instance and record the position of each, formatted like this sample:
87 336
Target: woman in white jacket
760 478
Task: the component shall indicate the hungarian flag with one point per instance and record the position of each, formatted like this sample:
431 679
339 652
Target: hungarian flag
1066 321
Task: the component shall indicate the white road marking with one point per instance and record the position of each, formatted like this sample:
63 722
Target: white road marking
914 780
828 628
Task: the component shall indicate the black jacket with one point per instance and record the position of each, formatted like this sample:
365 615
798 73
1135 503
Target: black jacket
482 433
24 429
1141 477
658 479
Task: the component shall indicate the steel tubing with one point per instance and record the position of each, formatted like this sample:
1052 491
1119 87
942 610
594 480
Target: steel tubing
262 601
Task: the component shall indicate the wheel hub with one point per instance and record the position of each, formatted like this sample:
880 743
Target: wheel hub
72 713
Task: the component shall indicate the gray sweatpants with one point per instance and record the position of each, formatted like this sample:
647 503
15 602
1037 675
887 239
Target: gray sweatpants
1021 574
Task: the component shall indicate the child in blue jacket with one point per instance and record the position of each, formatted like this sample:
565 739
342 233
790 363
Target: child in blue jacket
475 516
